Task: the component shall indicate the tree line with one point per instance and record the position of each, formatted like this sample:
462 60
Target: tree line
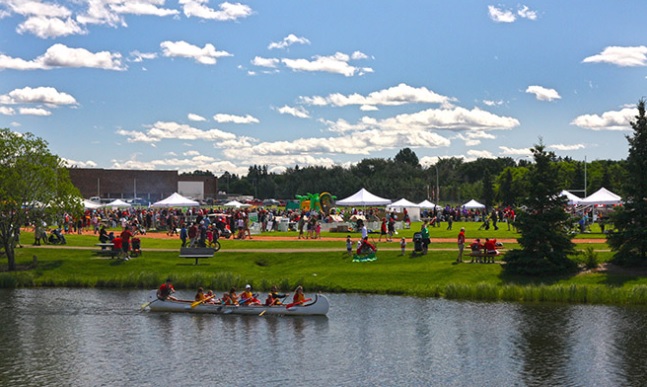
497 181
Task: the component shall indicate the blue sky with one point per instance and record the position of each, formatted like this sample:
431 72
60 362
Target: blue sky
220 86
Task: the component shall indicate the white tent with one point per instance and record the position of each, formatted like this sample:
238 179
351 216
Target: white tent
473 204
90 205
118 203
403 203
601 196
175 200
235 203
413 209
572 199
363 198
426 204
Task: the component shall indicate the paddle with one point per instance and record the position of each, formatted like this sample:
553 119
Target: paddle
288 306
196 303
147 304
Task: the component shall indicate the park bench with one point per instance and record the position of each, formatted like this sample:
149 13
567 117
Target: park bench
197 253
107 250
481 254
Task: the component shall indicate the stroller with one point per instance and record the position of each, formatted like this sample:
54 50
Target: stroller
56 237
136 246
417 244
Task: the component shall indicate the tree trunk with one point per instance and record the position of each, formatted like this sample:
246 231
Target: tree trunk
11 256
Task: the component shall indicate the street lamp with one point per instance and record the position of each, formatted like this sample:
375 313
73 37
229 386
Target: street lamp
437 186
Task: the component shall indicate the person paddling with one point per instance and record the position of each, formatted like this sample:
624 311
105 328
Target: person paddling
248 298
164 292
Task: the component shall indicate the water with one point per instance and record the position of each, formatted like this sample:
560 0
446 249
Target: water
94 337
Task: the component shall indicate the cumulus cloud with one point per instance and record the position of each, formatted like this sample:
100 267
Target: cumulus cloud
142 7
288 41
205 55
335 64
299 111
230 118
50 27
162 130
227 12
612 120
136 56
34 111
7 111
543 94
79 164
59 55
195 117
565 147
620 56
500 15
480 154
393 96
507 151
39 95
265 62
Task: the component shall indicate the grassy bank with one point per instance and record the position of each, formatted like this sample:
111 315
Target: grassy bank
292 262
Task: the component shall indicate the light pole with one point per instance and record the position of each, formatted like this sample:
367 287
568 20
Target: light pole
437 186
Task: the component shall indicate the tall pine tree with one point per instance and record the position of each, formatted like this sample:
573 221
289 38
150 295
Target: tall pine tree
629 238
545 243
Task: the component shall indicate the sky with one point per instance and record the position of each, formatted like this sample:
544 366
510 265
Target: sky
207 85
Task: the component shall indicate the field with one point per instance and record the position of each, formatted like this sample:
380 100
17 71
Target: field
279 258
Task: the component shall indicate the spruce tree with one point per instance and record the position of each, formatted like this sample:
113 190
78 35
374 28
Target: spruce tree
541 220
629 236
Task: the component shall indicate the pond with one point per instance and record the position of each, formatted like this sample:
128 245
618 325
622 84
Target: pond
90 337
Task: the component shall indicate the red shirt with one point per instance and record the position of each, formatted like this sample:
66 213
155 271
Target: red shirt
166 290
125 235
490 245
116 243
461 237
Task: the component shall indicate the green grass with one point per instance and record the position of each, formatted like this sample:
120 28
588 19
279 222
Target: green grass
260 264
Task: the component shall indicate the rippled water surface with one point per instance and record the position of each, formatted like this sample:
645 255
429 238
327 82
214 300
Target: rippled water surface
100 338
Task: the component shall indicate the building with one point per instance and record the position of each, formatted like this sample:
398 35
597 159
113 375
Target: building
149 185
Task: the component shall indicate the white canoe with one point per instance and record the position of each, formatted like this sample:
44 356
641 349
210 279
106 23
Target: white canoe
317 306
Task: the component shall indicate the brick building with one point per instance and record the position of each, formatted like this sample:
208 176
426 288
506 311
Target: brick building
150 185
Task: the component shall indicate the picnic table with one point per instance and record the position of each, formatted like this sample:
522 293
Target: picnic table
197 253
107 249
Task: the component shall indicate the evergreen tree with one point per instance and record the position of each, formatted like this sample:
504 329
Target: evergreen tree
545 243
629 237
488 189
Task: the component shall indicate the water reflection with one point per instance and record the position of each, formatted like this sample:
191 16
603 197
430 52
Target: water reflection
97 337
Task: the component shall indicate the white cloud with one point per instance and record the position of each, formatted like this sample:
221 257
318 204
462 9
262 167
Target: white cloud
564 147
227 12
507 151
7 111
37 8
543 94
230 118
481 154
501 16
137 56
620 56
288 41
205 55
38 95
59 55
299 111
171 130
100 12
398 95
195 117
34 111
50 27
336 64
612 120
80 164
143 7
526 13
488 102
265 62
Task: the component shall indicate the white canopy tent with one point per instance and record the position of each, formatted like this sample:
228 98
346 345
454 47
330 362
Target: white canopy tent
175 200
236 204
426 204
90 205
116 204
573 200
601 197
363 198
473 205
413 209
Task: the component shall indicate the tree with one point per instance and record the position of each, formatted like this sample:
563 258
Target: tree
35 186
629 238
488 189
407 156
545 243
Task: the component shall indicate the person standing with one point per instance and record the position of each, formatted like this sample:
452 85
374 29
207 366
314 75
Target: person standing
125 242
426 240
461 245
183 234
403 245
349 246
